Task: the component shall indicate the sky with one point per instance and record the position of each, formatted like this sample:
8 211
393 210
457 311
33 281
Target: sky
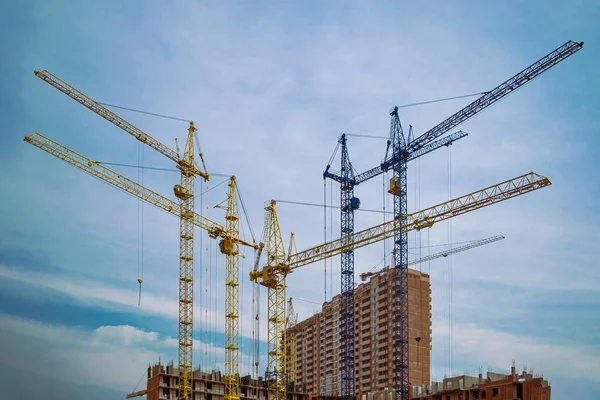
271 86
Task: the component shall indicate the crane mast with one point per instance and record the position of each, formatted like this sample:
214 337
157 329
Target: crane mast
231 249
348 203
277 268
404 150
185 193
400 283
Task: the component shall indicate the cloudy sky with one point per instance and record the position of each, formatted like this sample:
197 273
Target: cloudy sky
271 87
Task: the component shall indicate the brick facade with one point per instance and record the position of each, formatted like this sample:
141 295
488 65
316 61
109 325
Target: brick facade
318 338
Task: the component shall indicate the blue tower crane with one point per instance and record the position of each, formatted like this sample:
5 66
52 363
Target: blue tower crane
405 149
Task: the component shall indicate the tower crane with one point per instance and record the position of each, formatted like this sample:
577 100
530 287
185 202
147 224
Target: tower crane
405 149
445 253
184 209
273 275
275 376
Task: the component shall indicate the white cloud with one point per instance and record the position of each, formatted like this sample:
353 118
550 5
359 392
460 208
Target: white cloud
475 346
77 356
270 99
108 356
124 334
96 294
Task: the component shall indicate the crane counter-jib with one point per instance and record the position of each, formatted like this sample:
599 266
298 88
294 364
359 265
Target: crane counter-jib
424 218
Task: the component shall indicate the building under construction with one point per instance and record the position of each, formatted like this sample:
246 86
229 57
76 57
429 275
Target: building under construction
367 339
317 369
163 384
522 386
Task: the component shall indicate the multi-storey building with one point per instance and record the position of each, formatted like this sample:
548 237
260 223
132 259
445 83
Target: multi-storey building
522 386
318 338
163 385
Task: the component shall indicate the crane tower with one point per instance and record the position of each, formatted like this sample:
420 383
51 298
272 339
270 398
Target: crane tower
406 148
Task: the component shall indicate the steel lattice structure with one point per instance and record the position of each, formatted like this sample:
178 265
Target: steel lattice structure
405 149
275 375
232 282
347 269
185 193
445 253
274 274
188 218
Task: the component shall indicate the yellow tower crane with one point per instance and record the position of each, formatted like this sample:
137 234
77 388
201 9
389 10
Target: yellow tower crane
274 274
188 218
231 248
276 261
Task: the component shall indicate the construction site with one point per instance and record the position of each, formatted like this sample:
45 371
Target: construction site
372 339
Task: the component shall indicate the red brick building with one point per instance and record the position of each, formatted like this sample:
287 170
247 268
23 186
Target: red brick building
318 339
514 386
163 385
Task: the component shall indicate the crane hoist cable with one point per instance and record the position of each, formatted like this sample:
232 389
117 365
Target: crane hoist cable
214 187
412 105
140 216
239 193
145 112
325 241
451 281
442 99
274 274
168 170
207 338
330 238
324 274
199 288
301 203
308 301
135 392
156 168
333 154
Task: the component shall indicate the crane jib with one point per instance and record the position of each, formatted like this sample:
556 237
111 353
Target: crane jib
121 182
105 113
423 219
497 93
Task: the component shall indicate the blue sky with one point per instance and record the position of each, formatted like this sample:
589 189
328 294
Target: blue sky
271 87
